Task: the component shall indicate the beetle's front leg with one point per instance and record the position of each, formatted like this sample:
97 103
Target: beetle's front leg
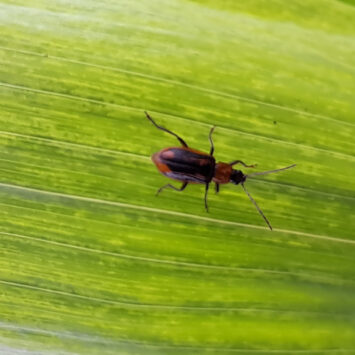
240 162
172 187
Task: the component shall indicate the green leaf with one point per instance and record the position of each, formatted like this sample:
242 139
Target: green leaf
92 262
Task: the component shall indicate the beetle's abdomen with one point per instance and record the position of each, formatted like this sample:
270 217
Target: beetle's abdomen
185 164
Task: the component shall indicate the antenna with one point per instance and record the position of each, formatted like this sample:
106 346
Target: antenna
271 171
256 205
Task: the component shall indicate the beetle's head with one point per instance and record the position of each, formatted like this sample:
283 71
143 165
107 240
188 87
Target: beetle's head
237 177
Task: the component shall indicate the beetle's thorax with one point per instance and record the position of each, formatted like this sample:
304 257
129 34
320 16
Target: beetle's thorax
222 173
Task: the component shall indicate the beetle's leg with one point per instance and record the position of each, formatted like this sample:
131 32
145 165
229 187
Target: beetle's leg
206 191
166 130
172 187
211 141
216 188
240 162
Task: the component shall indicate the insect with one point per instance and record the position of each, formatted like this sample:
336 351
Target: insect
191 166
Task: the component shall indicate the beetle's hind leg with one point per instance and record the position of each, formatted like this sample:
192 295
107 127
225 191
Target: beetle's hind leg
216 187
166 130
172 187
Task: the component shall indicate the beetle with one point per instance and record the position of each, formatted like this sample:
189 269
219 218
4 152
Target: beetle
191 166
